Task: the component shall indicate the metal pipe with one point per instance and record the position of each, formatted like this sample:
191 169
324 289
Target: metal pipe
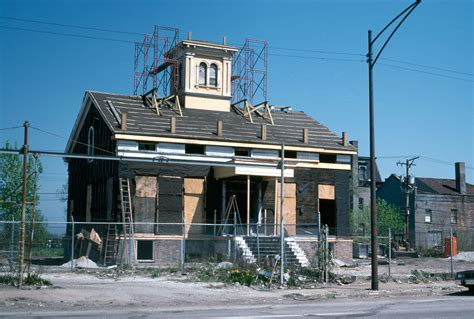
72 243
21 241
389 252
282 229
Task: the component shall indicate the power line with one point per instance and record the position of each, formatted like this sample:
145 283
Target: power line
68 34
274 48
316 51
425 72
314 58
427 66
71 26
10 128
68 139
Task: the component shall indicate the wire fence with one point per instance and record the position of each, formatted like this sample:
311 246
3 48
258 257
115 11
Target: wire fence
144 244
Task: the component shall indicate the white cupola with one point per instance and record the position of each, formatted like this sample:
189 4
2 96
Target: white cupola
205 70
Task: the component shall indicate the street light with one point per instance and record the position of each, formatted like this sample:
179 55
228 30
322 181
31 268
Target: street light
373 204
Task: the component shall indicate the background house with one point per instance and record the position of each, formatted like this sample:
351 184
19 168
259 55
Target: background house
439 205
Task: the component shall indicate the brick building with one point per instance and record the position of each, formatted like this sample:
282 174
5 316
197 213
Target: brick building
439 205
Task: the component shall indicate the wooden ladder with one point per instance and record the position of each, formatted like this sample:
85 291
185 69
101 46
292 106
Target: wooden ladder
110 249
127 215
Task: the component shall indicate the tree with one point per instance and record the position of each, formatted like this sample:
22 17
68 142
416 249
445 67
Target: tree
11 172
388 216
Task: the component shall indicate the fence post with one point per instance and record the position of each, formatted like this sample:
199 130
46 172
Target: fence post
130 244
389 252
12 243
72 243
182 250
326 254
451 251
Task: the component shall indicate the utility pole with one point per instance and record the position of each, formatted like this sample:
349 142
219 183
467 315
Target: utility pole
409 187
373 204
282 228
21 242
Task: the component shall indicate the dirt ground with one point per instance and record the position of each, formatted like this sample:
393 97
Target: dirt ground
98 289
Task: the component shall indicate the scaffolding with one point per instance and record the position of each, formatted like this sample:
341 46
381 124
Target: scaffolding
153 63
249 72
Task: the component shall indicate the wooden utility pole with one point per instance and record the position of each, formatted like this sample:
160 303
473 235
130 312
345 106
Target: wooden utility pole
21 242
408 189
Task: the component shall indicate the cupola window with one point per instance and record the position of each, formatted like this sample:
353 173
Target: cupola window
202 73
213 75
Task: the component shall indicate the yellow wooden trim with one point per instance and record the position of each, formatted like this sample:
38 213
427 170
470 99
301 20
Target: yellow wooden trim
178 140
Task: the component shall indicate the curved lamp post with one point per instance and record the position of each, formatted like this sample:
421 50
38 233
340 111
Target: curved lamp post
373 200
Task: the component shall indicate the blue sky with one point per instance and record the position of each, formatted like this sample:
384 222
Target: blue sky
424 104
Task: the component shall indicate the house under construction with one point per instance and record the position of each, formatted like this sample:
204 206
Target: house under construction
200 173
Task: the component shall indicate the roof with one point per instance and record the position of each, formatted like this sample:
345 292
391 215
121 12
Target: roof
440 186
201 124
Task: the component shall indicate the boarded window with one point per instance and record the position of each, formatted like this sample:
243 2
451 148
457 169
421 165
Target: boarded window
170 205
326 192
145 250
194 205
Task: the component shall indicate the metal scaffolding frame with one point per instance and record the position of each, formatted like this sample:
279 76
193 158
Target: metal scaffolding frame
152 61
250 72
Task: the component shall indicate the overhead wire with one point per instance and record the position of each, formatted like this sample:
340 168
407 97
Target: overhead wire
71 140
70 25
425 72
325 52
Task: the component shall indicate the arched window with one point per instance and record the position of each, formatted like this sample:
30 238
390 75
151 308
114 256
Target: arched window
213 75
202 73
90 143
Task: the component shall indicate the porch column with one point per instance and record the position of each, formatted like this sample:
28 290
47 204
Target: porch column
248 205
223 203
275 215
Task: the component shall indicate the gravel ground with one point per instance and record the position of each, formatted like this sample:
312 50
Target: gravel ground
105 290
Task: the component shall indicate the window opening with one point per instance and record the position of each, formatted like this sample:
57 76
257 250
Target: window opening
146 146
428 215
327 158
202 73
194 149
242 152
454 216
213 75
145 250
90 144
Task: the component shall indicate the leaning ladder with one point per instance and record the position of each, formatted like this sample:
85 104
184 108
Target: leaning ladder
110 249
127 216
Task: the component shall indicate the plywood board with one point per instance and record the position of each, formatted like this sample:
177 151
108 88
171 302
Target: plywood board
289 207
193 186
145 186
326 192
193 205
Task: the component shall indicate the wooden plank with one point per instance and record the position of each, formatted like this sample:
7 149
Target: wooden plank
289 207
193 205
193 186
326 192
145 186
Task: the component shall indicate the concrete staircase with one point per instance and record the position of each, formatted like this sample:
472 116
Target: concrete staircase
270 246
244 249
299 253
